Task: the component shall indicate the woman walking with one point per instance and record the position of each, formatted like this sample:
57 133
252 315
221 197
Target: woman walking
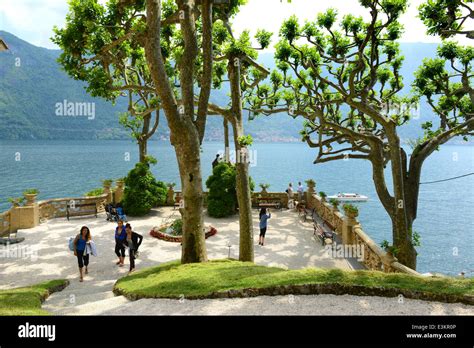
120 238
263 225
80 250
134 240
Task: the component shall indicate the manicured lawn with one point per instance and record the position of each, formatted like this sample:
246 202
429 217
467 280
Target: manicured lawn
27 300
172 280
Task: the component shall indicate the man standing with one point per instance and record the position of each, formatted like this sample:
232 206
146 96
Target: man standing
300 192
216 161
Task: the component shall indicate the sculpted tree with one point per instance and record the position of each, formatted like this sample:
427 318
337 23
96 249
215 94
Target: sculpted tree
173 39
447 18
344 79
237 58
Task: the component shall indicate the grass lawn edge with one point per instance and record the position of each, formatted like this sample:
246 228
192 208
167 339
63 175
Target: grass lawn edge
33 295
305 288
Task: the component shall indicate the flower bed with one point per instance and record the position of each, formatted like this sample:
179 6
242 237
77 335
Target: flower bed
157 232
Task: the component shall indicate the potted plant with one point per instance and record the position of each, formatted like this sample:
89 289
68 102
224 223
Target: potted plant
323 196
107 183
390 249
16 201
335 203
120 182
30 196
264 187
311 184
350 210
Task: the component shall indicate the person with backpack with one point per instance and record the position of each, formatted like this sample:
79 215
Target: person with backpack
120 239
263 225
80 250
134 240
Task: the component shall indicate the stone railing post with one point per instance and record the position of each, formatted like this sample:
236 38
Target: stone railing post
118 192
24 217
348 225
108 192
170 196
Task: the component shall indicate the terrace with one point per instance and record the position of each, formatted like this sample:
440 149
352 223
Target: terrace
44 254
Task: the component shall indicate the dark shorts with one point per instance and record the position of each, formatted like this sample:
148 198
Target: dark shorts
263 231
82 260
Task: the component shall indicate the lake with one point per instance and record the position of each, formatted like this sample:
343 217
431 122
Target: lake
445 211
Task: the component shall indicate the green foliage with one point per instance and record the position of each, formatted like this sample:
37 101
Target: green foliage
334 202
350 209
264 38
310 183
222 197
385 245
416 239
446 17
31 192
177 227
245 140
95 192
16 201
142 191
264 186
322 194
107 182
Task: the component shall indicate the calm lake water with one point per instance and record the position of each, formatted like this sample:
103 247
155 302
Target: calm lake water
445 216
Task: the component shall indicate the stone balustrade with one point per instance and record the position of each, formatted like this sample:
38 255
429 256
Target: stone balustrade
351 232
34 213
56 208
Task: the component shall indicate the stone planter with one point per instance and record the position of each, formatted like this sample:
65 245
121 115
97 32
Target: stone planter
157 233
351 214
30 198
120 184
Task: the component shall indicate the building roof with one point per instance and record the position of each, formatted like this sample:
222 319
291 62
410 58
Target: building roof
3 45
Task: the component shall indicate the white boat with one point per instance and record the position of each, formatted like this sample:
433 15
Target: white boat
349 197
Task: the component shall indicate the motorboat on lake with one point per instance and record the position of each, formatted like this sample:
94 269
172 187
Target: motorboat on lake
349 197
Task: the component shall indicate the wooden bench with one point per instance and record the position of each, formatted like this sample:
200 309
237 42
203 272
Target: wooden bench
323 235
269 202
75 209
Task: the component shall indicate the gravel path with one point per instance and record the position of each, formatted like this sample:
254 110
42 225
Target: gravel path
291 305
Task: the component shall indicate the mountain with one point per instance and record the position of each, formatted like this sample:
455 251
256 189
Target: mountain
34 89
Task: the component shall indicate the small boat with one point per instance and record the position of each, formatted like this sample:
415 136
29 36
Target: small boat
349 197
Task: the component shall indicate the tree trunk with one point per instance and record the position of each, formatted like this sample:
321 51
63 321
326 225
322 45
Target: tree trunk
242 167
194 241
401 223
244 197
226 142
183 133
142 149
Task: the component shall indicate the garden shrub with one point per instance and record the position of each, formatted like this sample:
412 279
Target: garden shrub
142 191
222 197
